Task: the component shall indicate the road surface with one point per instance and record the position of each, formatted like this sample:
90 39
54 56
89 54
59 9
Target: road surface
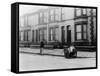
33 62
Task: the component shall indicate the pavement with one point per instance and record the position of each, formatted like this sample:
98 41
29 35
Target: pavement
35 62
31 60
55 52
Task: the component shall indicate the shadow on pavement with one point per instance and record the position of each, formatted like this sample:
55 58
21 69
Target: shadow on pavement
78 57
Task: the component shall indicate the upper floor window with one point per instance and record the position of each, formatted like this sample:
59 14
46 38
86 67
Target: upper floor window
52 15
94 12
88 12
57 16
45 17
78 12
63 14
84 11
41 18
25 20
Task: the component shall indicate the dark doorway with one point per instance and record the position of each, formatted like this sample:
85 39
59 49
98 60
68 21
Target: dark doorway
63 34
33 36
68 35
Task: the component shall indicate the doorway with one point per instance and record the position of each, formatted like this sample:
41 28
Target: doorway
68 35
63 34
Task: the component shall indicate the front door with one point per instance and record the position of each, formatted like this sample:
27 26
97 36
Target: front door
63 34
68 35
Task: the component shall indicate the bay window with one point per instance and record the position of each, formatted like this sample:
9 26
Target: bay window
81 32
78 32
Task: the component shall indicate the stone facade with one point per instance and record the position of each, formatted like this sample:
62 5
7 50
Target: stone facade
62 24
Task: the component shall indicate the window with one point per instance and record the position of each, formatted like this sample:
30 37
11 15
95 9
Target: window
19 35
45 17
78 11
78 32
56 34
25 21
81 32
88 12
36 35
84 31
57 14
45 34
41 18
25 35
51 34
94 12
51 15
63 14
84 11
42 34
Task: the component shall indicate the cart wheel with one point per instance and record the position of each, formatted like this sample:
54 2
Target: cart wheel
75 55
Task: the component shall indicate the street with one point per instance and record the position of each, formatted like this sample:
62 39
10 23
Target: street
32 62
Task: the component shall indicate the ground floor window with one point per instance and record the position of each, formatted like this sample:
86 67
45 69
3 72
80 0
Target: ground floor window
56 34
53 34
81 32
42 34
36 35
25 35
45 34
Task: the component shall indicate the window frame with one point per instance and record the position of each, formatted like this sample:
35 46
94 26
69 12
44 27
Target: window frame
83 11
79 32
57 16
77 9
63 14
26 38
52 16
40 17
45 17
82 32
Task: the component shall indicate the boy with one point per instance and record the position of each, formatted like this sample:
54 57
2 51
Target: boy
41 47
